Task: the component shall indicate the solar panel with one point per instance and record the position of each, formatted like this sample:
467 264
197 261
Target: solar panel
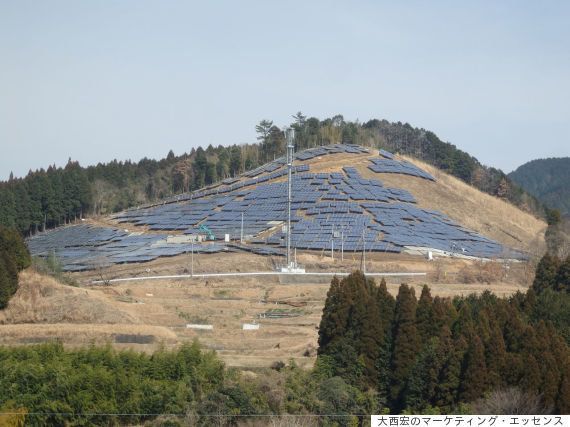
364 211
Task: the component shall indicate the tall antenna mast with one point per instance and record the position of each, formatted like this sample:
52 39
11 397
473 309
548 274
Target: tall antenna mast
290 135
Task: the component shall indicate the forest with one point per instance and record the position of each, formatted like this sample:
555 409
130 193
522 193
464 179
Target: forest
433 354
377 354
50 197
548 180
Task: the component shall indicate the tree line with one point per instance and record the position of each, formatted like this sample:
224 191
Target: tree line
437 354
56 196
548 180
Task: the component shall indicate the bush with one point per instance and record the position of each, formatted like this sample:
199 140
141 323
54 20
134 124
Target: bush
14 257
511 401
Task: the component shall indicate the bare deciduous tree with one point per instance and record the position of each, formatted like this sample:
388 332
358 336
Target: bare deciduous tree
511 401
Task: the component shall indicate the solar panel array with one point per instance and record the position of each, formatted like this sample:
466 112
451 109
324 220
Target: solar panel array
311 153
86 247
338 209
389 164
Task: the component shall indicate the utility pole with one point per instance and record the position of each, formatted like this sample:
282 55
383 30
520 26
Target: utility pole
290 134
192 260
332 244
363 266
342 245
241 234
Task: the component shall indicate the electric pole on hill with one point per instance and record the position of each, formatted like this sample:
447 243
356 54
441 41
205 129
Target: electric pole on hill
290 135
291 266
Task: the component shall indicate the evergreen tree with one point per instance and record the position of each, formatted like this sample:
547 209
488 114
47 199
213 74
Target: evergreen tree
12 244
546 272
7 207
563 276
200 165
550 378
422 381
444 313
386 305
334 318
474 380
8 278
495 356
425 317
367 325
531 378
406 343
451 355
563 400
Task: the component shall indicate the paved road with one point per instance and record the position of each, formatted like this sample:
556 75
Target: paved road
257 273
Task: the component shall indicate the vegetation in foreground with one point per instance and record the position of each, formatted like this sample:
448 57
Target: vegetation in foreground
376 354
436 354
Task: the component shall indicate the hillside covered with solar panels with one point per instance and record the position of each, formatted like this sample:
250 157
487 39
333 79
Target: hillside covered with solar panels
335 205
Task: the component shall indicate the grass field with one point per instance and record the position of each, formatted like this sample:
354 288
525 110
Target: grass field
146 315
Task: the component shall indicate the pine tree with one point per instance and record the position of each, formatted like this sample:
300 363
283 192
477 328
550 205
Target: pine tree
369 331
450 354
495 357
531 379
550 378
546 272
406 344
386 305
474 381
464 324
422 382
8 278
340 328
334 318
425 317
563 276
13 245
563 399
444 313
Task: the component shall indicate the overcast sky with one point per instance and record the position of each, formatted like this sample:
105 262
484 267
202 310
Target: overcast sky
98 80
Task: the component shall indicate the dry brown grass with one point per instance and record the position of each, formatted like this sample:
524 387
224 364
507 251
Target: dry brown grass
491 216
41 299
162 308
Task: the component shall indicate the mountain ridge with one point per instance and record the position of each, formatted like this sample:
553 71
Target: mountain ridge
48 198
548 180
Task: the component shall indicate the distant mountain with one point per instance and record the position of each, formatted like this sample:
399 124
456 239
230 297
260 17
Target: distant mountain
548 180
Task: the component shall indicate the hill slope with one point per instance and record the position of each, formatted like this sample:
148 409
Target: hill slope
344 196
56 196
548 180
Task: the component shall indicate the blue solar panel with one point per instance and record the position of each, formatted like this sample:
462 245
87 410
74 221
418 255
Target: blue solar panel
365 212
